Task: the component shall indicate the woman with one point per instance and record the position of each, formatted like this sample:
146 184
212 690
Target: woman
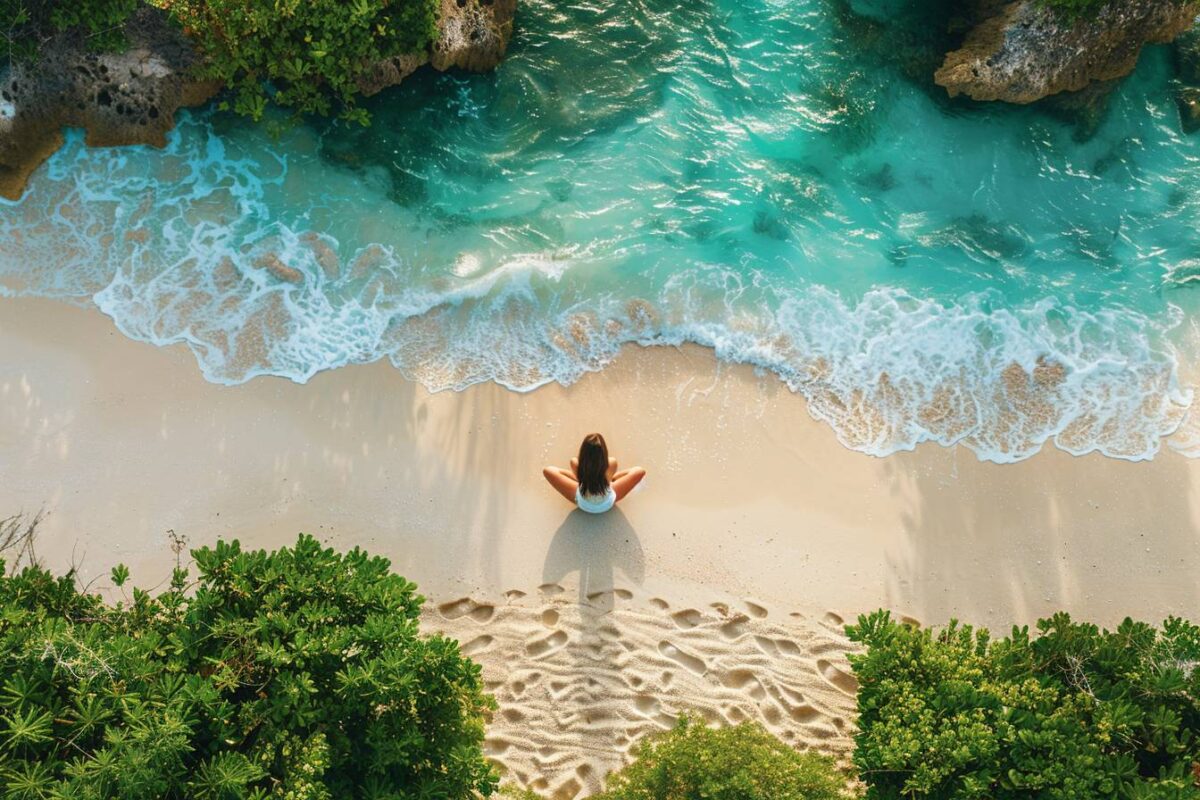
594 483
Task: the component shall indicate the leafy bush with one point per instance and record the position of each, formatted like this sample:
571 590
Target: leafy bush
1074 713
26 24
739 763
295 674
305 55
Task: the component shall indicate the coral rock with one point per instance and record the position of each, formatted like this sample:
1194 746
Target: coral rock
1026 52
118 98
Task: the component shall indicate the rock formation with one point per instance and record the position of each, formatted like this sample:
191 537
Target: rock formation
131 97
1187 71
1023 52
472 35
119 98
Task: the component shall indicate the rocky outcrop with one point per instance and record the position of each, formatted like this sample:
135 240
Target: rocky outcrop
472 35
1024 52
131 97
118 98
1187 71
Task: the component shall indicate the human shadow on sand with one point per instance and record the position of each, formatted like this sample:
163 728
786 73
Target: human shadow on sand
597 546
591 707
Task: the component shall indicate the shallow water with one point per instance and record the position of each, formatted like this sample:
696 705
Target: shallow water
770 178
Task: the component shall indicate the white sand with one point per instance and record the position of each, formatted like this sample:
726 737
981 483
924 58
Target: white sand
750 505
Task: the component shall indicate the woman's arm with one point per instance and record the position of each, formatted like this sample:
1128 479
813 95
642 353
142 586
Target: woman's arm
624 482
561 481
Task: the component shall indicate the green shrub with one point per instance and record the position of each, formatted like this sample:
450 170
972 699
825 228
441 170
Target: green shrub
738 763
305 55
1074 713
294 674
26 24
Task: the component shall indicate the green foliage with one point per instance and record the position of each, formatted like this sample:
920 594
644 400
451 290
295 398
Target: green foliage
295 674
738 763
305 55
26 24
1074 9
511 792
1077 9
1074 712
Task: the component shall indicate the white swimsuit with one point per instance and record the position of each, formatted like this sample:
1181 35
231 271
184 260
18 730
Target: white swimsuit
596 505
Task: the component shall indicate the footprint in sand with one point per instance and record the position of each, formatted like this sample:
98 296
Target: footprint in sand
513 715
790 694
685 660
550 618
551 588
659 603
476 645
514 594
646 704
688 618
840 680
744 680
833 618
547 645
736 627
822 732
622 594
466 607
495 747
755 609
803 713
766 646
788 647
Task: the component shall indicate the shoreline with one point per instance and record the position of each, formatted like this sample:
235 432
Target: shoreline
361 456
718 589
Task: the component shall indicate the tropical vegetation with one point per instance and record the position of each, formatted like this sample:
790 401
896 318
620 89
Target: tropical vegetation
693 761
1073 712
298 674
304 55
25 25
742 762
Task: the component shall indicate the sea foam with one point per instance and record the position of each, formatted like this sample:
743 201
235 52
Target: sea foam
758 178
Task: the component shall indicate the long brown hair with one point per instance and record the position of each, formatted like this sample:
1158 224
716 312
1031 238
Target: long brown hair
593 466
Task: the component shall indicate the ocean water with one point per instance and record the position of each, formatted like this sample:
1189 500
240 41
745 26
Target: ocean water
774 179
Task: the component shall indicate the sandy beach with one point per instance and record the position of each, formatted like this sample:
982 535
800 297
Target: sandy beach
718 587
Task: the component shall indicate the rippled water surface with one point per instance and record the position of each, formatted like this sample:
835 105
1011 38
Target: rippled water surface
771 178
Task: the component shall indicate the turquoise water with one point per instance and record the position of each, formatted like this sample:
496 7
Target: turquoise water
770 178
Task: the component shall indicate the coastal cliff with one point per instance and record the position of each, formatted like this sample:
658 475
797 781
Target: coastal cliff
1022 52
131 97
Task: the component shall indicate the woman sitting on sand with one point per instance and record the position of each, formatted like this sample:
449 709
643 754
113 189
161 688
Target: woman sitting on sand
594 483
